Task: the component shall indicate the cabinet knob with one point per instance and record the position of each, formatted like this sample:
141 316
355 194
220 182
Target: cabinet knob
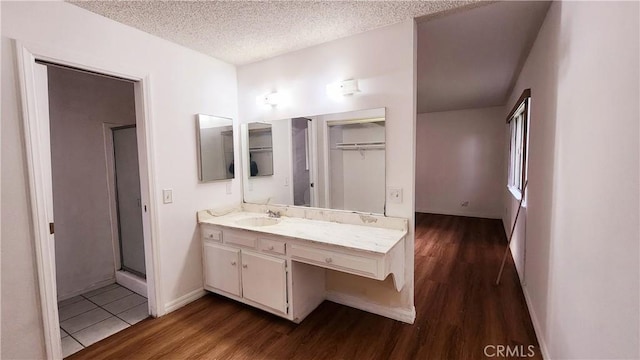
211 236
244 266
233 263
328 260
271 247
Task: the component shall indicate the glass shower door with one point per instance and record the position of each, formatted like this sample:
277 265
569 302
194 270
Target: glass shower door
128 200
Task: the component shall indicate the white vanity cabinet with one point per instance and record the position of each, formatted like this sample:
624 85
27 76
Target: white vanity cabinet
231 268
222 268
280 265
264 280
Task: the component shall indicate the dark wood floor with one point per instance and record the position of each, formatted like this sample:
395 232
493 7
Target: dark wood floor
459 312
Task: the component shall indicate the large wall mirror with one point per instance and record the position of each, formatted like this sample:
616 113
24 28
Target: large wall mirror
334 161
215 148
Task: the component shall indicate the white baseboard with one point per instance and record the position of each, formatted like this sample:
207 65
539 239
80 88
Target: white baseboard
400 314
97 285
536 325
183 300
132 282
477 214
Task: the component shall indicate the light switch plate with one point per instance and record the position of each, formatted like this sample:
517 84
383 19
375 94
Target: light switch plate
167 196
394 195
228 187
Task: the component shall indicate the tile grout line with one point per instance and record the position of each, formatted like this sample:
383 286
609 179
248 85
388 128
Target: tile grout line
132 292
102 292
92 325
130 324
107 311
98 307
116 315
82 313
86 327
130 309
124 320
78 341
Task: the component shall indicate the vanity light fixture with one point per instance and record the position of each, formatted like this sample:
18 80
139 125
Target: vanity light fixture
272 99
342 88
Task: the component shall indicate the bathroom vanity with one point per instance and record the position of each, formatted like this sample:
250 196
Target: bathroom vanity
277 261
312 221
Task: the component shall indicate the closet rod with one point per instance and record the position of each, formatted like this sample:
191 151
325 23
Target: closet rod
356 147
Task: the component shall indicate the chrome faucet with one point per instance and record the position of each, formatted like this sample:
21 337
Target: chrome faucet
273 214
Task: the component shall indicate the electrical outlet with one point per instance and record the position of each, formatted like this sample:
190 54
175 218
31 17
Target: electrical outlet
394 195
167 196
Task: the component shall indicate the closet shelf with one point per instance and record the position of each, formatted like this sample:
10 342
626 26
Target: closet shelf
363 145
261 149
259 130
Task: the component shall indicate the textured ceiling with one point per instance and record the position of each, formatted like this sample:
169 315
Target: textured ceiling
470 59
241 32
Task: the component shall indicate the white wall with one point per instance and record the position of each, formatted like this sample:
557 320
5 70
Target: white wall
79 105
459 157
383 61
582 249
182 83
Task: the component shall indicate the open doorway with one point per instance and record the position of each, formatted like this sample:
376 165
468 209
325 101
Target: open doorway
69 175
94 175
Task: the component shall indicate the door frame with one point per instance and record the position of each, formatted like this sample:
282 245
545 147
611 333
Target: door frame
39 170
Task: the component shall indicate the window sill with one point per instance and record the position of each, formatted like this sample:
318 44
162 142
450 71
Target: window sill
517 194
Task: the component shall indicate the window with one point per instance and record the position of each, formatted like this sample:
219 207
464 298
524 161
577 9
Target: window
518 121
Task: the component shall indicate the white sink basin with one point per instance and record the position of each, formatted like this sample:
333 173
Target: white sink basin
257 221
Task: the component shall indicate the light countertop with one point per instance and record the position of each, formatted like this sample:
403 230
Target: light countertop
356 237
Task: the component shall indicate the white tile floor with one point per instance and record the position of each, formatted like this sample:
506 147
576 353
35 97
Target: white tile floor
91 317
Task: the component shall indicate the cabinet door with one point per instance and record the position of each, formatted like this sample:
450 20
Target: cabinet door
222 268
264 280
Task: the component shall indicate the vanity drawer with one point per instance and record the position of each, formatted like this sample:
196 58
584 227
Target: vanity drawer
240 238
272 246
210 234
335 260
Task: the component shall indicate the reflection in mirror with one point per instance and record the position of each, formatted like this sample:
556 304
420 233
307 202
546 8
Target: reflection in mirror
260 150
215 148
356 176
334 161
